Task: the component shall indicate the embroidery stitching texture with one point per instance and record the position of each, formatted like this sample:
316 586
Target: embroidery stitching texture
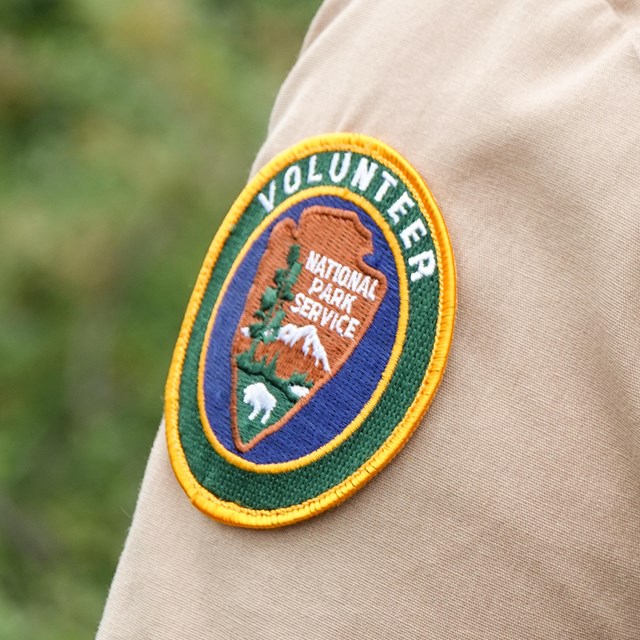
316 335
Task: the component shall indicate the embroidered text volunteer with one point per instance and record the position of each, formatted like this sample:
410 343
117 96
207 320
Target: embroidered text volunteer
365 175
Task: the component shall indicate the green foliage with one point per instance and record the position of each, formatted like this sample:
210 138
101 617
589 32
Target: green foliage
271 315
286 278
301 380
269 299
266 371
127 128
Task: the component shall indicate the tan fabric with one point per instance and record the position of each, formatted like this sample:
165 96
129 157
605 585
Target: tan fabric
514 512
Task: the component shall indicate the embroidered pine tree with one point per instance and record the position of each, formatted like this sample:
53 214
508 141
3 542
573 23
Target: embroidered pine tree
267 328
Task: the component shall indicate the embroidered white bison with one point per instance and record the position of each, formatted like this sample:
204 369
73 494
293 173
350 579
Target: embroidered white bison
258 397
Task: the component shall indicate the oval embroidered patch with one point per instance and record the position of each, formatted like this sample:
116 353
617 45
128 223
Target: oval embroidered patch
316 335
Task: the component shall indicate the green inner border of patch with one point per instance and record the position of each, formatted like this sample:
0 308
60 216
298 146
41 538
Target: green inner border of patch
284 489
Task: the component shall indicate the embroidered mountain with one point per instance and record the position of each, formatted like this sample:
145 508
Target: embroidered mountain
312 299
291 334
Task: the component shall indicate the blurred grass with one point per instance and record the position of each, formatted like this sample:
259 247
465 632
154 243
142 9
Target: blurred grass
127 128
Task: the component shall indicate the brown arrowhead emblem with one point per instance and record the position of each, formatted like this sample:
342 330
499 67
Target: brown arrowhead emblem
312 300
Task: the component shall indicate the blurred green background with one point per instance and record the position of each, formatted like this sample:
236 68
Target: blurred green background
127 128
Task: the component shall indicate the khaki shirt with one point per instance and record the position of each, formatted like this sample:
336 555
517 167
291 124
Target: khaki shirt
514 510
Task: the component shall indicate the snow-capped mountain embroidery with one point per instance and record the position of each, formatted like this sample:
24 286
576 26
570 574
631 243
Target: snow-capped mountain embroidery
291 334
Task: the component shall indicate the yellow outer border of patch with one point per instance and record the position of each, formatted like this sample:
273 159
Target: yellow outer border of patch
232 513
403 319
